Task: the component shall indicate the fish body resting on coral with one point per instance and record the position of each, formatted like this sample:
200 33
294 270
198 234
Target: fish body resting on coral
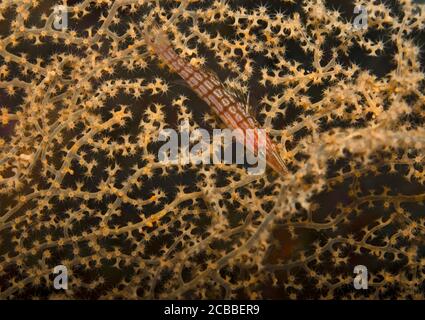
209 88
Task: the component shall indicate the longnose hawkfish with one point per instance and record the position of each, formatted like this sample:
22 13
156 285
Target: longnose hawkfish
209 88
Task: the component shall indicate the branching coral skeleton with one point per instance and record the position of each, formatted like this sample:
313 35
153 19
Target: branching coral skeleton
81 184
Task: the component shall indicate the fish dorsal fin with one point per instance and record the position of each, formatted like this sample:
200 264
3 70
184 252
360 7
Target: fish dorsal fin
237 93
242 97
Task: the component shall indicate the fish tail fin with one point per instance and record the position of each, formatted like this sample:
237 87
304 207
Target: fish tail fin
155 37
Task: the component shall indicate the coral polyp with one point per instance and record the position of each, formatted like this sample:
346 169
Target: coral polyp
83 101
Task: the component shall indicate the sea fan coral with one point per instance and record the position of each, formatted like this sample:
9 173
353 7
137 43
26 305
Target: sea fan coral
83 101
